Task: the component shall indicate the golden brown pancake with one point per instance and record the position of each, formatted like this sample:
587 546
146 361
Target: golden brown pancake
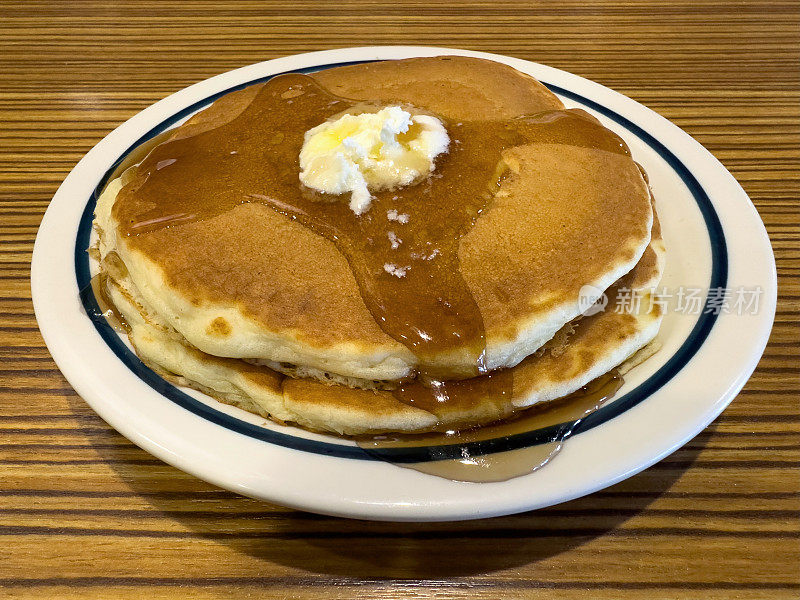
455 87
254 282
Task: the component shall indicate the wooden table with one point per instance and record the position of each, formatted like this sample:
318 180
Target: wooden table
86 514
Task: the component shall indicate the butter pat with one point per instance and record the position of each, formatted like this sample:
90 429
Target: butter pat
361 154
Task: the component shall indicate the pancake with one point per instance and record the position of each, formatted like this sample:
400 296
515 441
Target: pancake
580 352
455 87
252 282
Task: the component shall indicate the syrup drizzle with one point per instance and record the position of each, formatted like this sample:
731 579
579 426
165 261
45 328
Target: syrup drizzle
426 304
428 308
480 454
105 311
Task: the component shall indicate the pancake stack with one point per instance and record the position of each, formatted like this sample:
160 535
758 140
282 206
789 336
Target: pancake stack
234 279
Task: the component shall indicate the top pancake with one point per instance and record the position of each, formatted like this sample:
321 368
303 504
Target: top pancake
252 283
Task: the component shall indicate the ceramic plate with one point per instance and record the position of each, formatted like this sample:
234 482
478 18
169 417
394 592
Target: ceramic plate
719 286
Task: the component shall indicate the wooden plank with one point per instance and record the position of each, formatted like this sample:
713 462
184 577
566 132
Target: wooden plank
86 514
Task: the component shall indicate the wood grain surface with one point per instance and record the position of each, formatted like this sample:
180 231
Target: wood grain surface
86 514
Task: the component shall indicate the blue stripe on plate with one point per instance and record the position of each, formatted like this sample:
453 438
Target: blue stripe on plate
719 277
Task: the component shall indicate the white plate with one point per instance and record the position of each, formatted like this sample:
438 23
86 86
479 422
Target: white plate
714 237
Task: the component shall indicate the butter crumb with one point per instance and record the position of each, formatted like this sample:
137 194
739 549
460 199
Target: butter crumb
395 270
367 152
393 215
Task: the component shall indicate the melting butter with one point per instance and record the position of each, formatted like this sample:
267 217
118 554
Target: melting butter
362 153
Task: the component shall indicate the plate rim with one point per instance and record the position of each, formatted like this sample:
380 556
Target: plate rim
311 60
